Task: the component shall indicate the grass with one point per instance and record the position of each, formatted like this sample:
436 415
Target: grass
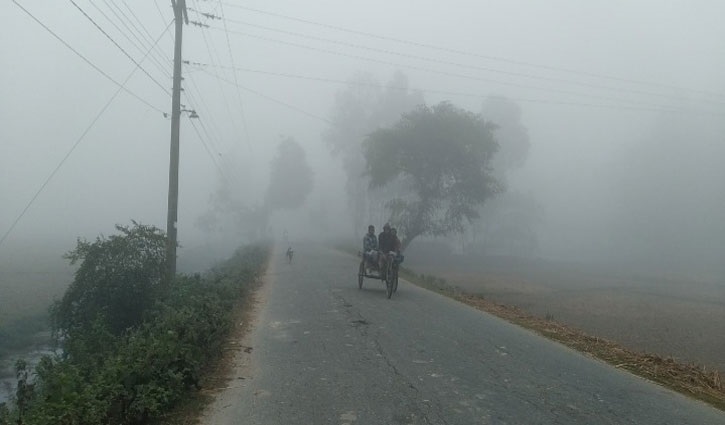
689 379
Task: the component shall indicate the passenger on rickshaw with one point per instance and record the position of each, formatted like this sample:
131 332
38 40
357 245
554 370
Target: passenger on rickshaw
370 248
387 245
398 246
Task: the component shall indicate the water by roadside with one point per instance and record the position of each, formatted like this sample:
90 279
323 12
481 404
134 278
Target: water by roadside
31 355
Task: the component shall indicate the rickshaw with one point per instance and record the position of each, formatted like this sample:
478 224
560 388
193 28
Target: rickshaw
389 275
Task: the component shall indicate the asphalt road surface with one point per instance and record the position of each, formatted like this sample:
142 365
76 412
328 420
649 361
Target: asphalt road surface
325 352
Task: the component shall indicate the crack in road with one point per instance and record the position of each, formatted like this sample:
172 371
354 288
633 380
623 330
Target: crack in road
361 324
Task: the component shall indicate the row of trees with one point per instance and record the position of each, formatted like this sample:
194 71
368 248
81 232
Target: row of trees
291 180
430 170
433 170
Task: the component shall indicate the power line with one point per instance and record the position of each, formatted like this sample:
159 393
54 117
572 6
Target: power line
86 60
127 37
158 56
471 54
201 103
234 72
72 149
208 151
121 48
158 9
465 94
212 52
270 98
451 74
145 37
204 128
148 37
460 65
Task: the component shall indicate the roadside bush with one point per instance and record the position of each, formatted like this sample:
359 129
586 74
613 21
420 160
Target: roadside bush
118 280
132 375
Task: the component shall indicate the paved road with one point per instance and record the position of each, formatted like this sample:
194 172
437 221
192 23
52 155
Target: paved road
325 352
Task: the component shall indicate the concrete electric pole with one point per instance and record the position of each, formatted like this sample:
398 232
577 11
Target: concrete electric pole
179 13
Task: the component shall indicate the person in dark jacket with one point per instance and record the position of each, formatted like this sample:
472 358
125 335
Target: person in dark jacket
386 245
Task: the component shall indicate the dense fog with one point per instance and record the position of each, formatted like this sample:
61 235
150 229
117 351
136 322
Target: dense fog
609 115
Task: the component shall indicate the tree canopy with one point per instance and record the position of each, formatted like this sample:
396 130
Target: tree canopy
118 279
511 134
362 107
442 154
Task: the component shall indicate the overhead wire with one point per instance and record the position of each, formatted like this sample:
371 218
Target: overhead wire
148 38
200 104
73 147
89 62
126 33
440 72
161 15
196 100
212 131
234 72
208 151
471 95
166 90
145 37
456 64
212 52
270 98
472 54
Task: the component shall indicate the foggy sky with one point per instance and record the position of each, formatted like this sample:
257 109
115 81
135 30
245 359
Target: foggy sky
579 134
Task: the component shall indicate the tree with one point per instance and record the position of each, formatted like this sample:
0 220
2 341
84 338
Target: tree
119 279
511 134
364 106
290 177
442 154
236 210
508 223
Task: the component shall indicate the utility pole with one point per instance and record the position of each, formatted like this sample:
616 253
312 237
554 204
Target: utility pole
179 7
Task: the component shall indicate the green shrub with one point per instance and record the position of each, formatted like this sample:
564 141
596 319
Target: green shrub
110 375
118 280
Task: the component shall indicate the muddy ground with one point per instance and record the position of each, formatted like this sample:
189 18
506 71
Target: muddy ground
642 310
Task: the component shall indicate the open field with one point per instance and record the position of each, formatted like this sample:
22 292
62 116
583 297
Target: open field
25 293
664 315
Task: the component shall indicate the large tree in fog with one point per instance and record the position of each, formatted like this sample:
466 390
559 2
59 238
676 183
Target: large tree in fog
361 108
290 180
511 134
443 155
508 223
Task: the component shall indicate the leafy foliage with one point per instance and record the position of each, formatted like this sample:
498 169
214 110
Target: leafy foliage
508 223
136 375
364 106
511 134
118 280
443 154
